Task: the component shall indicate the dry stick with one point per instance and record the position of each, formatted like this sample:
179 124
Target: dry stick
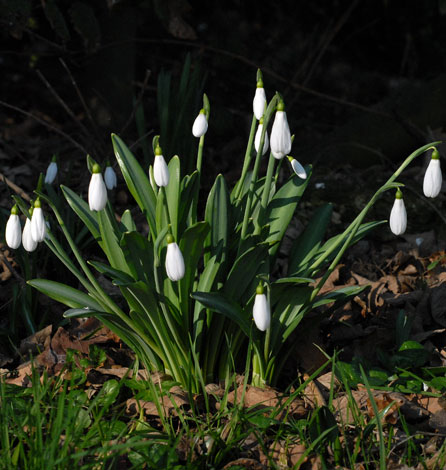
15 188
138 101
4 260
44 123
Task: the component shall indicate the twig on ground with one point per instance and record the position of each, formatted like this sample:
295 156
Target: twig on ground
15 188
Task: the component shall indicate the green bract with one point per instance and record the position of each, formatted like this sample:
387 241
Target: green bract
196 327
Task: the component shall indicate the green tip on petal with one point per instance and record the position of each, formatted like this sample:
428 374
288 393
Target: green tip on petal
399 194
290 158
15 210
202 111
54 159
435 155
259 83
96 168
281 106
259 289
158 150
37 204
261 121
169 238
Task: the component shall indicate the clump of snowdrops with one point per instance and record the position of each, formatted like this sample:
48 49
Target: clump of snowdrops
200 290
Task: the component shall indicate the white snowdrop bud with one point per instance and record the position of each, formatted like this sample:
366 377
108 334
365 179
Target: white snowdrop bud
258 136
97 192
259 101
433 178
160 170
261 311
398 215
174 260
110 177
200 125
51 171
38 225
27 240
13 232
280 140
298 168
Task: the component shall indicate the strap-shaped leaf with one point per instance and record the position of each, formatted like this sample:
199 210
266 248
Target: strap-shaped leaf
308 242
128 222
136 180
281 208
65 294
118 277
138 253
173 193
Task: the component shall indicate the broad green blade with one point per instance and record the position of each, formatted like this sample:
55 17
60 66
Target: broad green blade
138 253
173 193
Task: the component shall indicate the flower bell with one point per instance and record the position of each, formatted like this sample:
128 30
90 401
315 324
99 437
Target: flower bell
13 232
258 137
97 192
38 225
261 311
280 140
160 170
259 101
200 125
398 215
298 168
110 177
51 171
433 178
27 240
174 260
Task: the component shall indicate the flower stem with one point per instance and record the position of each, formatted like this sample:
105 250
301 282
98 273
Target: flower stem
246 161
266 191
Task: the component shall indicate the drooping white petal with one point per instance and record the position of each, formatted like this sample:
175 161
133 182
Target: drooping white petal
51 173
258 103
257 139
97 193
160 171
280 140
432 179
38 225
27 240
110 178
13 232
174 262
398 217
298 169
261 312
200 125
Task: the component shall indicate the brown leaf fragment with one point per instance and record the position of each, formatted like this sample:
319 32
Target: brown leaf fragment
248 464
21 376
37 342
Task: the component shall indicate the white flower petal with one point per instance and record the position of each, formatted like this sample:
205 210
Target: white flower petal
38 225
27 240
261 312
13 232
160 171
432 179
398 217
97 193
280 140
200 125
110 178
258 103
51 173
298 169
174 262
257 139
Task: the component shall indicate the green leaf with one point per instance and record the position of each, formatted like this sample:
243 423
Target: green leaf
281 208
173 193
128 222
138 253
66 295
339 295
118 277
189 187
136 180
219 303
308 242
217 215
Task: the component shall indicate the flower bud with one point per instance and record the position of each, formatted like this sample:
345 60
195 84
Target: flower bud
200 125
298 168
27 240
174 260
38 225
160 170
51 171
261 311
97 192
13 232
259 101
110 177
433 178
398 215
280 140
258 137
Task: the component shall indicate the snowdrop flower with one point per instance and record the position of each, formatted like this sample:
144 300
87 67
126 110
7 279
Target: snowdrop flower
398 215
97 192
261 311
174 260
38 225
298 168
110 177
432 178
160 170
200 124
280 140
13 233
258 136
27 240
51 171
259 101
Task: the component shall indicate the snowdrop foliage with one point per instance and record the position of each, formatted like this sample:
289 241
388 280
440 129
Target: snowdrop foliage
38 225
398 215
13 233
27 240
280 140
51 171
261 311
160 170
433 178
259 101
110 177
258 137
174 260
97 192
298 168
200 125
